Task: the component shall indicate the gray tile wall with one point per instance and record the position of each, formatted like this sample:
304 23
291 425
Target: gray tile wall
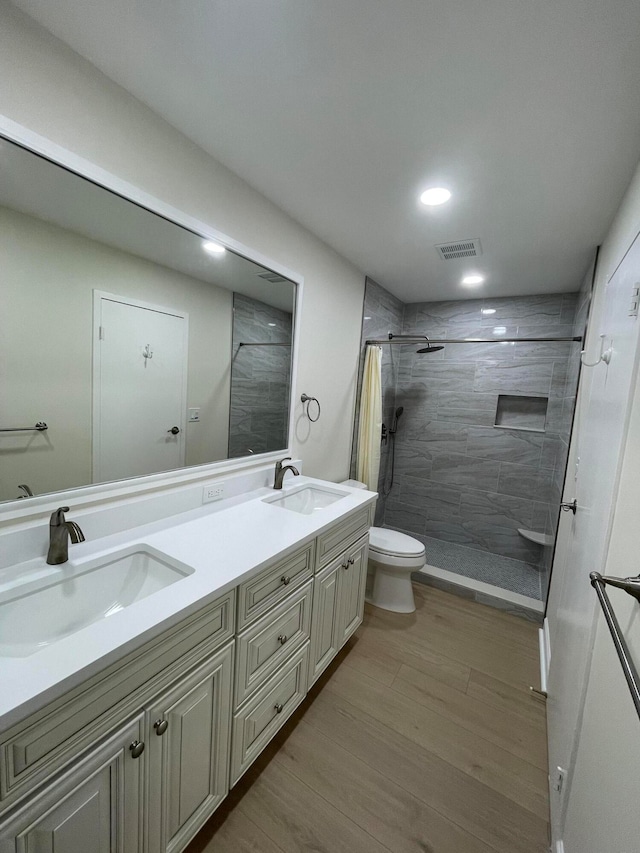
496 479
260 378
457 478
383 313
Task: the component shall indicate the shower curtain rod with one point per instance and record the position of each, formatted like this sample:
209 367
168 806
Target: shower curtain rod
249 344
418 339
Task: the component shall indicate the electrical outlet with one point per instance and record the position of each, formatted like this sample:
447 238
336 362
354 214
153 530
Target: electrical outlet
212 492
194 415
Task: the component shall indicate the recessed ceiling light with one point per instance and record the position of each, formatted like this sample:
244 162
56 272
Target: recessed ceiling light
472 280
213 248
488 310
435 195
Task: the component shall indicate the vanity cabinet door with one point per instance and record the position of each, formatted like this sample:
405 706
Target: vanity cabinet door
353 579
188 738
338 605
94 807
324 623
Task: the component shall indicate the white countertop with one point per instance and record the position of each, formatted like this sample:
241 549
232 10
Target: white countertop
223 544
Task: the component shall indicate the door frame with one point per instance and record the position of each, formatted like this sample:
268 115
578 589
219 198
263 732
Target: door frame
96 378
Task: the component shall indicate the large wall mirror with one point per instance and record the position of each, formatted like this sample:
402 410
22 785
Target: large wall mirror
129 345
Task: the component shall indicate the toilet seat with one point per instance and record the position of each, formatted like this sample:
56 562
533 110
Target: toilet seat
392 543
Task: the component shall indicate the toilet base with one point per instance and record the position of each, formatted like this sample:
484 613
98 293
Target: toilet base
392 590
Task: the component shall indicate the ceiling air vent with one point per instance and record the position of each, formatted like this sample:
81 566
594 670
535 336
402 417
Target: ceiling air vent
459 249
272 277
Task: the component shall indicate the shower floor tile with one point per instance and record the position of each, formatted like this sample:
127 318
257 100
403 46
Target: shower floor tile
504 572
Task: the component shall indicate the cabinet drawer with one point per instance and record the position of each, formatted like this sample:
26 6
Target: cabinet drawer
272 585
267 711
339 537
56 735
265 645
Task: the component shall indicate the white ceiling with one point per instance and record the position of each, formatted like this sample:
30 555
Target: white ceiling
342 111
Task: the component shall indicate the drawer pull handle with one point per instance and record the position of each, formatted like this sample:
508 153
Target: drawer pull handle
137 748
278 708
282 639
285 581
161 726
345 565
350 561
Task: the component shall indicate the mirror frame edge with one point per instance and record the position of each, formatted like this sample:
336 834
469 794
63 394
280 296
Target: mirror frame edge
83 496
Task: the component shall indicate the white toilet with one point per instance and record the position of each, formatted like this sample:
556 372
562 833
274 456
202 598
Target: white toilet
392 558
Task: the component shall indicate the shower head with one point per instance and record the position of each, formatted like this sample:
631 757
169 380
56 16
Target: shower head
428 348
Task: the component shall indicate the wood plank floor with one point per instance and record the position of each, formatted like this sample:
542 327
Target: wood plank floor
422 737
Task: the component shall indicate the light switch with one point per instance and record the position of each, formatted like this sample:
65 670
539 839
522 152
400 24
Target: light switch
194 415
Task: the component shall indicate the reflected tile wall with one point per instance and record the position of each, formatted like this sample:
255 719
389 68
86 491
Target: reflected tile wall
260 378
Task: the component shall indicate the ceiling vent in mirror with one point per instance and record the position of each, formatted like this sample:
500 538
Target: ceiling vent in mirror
459 249
272 277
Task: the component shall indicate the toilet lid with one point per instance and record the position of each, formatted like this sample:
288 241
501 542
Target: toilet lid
393 543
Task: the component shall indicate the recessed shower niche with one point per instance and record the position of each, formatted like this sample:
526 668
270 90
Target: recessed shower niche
517 412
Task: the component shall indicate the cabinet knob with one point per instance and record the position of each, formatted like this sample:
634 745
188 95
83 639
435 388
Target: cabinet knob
285 581
161 726
282 639
137 748
278 708
345 565
350 561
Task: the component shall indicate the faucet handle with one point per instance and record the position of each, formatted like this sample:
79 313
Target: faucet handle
57 516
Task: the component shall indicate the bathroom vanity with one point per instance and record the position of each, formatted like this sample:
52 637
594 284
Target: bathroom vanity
126 734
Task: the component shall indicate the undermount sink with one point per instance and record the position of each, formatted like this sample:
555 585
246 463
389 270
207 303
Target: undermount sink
53 602
306 499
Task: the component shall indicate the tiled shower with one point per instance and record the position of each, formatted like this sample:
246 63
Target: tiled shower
482 441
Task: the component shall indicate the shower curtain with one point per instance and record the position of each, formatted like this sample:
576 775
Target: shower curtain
369 429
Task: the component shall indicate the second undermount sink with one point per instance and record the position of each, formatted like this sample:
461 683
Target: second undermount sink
53 602
306 499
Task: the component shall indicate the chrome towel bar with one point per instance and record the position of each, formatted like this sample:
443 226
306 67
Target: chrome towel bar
39 427
632 587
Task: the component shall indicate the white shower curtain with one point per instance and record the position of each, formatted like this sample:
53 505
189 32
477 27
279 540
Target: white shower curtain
369 429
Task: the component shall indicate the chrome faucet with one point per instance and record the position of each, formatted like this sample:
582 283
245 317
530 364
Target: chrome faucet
281 470
60 531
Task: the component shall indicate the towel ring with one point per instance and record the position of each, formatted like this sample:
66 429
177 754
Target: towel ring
308 400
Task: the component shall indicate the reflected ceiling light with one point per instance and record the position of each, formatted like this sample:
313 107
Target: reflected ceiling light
499 330
212 248
472 280
488 310
270 324
435 195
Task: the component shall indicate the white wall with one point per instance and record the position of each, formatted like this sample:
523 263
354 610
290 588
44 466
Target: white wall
52 91
46 310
